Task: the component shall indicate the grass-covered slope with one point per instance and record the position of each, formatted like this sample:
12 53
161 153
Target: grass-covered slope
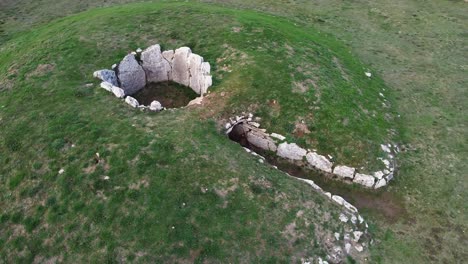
170 186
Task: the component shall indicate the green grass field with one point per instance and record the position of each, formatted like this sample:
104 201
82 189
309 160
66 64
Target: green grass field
159 164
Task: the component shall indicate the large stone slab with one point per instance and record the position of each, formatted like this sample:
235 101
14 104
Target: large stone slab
107 76
319 162
291 151
344 172
261 140
156 67
131 75
180 66
196 76
363 179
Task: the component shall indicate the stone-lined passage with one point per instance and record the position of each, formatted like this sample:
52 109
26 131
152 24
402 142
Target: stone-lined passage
247 132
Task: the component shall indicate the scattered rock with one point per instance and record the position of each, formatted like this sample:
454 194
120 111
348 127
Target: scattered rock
156 106
357 235
343 218
347 248
368 74
132 101
261 140
359 248
291 151
107 76
61 171
118 92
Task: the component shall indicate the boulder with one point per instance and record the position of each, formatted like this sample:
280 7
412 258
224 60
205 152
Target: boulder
291 151
107 76
344 172
261 140
320 162
118 92
131 75
156 106
364 179
180 66
132 101
156 67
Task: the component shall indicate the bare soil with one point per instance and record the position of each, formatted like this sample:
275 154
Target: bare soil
169 94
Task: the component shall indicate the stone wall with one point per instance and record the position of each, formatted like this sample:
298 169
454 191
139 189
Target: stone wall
276 143
152 65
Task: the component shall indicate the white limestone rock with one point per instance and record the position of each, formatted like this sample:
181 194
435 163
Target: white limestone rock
261 140
180 66
131 75
347 248
385 148
357 235
380 183
107 76
196 101
118 92
320 162
107 86
338 199
278 136
132 101
156 106
157 68
364 179
378 174
344 171
197 79
291 151
343 218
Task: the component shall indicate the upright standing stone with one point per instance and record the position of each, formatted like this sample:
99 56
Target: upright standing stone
131 75
157 68
180 67
196 76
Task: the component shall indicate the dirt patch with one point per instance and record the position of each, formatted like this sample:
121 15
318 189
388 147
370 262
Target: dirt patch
41 70
300 129
169 94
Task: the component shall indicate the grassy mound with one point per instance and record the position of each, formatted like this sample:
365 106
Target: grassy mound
169 185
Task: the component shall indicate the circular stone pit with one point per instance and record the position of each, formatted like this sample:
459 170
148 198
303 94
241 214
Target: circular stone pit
154 79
